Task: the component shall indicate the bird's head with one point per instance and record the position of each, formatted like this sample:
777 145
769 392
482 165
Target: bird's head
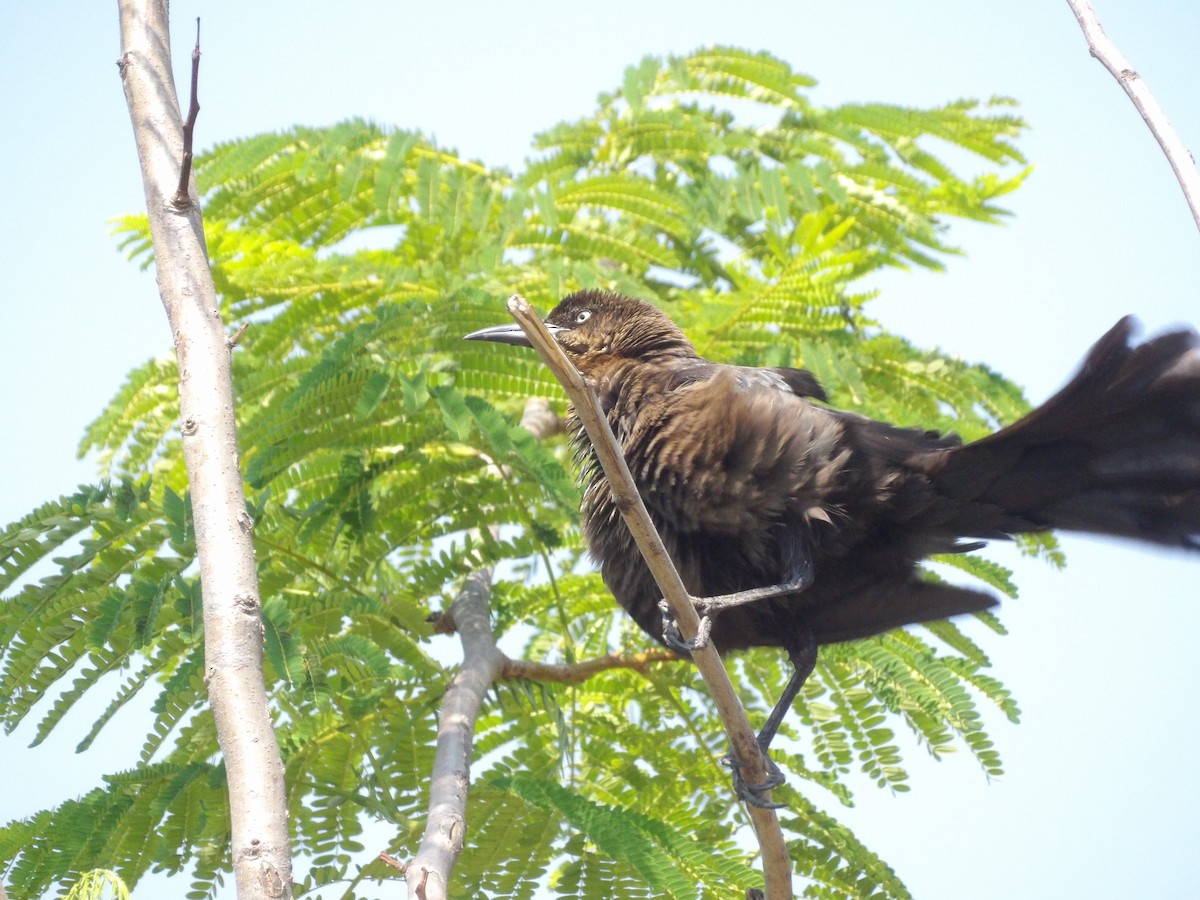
598 328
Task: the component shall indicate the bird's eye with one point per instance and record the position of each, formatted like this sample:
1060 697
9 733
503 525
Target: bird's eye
582 316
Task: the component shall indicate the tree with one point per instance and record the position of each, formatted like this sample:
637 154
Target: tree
384 463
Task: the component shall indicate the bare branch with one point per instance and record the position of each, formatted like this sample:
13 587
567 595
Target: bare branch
577 673
233 631
776 864
388 859
483 664
429 872
1103 49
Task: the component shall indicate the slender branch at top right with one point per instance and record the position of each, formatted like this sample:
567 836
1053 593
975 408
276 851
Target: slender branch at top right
1102 47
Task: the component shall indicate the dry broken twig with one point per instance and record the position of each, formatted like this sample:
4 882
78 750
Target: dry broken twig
182 196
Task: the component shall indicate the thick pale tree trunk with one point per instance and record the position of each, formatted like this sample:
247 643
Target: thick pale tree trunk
224 531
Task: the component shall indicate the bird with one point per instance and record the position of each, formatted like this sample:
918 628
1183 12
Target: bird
794 524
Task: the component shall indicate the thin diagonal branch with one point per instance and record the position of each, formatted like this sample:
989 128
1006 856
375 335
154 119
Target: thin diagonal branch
1103 49
776 864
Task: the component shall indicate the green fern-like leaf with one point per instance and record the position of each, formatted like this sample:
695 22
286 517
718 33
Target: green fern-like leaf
386 461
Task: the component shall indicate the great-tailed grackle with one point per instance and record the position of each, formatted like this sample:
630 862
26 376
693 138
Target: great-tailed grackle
754 483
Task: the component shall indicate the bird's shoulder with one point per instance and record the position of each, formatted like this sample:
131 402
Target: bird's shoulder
778 411
701 420
697 373
800 382
685 380
769 419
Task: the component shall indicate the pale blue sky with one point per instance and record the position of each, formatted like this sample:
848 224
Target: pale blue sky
1101 797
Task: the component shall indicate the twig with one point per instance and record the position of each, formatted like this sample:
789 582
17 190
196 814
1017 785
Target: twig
237 335
182 199
429 872
776 864
389 860
483 664
577 673
1103 49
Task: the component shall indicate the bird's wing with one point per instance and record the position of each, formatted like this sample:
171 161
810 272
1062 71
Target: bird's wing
731 451
800 382
737 456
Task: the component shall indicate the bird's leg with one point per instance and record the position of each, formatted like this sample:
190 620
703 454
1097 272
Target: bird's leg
802 575
710 605
803 656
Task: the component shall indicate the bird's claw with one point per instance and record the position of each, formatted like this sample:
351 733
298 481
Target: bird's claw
672 636
753 794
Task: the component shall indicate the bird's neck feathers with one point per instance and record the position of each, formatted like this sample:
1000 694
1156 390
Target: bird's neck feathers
601 329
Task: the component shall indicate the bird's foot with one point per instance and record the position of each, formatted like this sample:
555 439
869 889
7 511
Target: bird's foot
755 794
672 636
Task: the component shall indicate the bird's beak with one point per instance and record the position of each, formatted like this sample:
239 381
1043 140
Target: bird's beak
506 334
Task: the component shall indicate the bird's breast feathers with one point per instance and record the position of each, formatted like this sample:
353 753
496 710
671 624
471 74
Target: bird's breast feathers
722 449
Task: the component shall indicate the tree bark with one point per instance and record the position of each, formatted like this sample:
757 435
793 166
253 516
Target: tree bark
428 874
233 633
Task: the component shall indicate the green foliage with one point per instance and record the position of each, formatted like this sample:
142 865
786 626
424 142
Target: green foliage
99 884
384 462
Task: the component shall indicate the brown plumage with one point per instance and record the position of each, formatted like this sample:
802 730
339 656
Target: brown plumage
753 481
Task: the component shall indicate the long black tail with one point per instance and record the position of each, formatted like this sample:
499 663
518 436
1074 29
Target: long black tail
1116 451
